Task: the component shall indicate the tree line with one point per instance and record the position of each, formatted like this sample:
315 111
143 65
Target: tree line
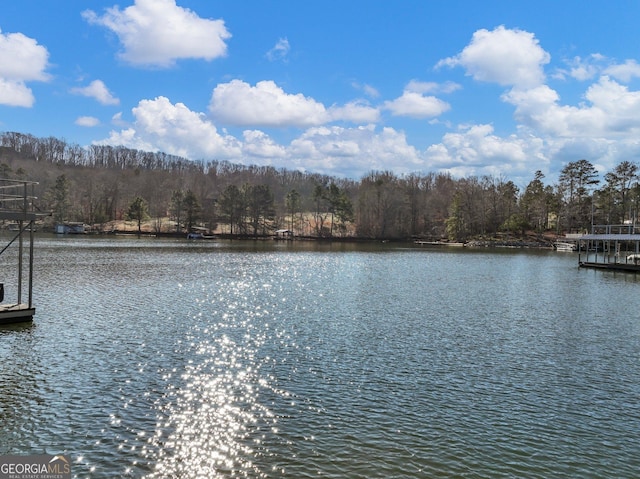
100 184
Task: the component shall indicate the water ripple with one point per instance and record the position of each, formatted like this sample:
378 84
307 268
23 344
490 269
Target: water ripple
184 360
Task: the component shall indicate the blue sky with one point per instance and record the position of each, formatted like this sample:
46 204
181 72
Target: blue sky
338 87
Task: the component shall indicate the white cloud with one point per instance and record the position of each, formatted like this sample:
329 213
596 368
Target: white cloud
532 105
548 131
258 144
88 121
624 72
117 120
162 126
431 87
585 69
476 150
417 105
131 139
280 51
602 127
353 151
158 32
611 111
266 104
22 60
99 91
15 93
174 129
509 57
368 90
355 112
620 106
581 69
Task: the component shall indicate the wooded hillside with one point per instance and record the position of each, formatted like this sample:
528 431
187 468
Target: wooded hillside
101 184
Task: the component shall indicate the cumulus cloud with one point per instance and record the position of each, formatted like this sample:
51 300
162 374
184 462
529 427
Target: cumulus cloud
353 151
130 138
476 150
268 105
158 32
508 57
88 121
603 126
415 104
22 60
548 132
265 104
258 144
611 111
175 129
160 125
98 91
280 51
15 93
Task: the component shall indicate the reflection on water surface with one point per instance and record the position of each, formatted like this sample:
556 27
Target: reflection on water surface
159 359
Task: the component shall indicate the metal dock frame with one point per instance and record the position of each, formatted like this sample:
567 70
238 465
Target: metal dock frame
612 247
16 204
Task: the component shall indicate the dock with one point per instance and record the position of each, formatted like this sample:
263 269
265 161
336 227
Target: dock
437 244
16 207
610 247
16 313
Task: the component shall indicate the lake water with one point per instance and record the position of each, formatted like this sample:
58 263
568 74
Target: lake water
175 359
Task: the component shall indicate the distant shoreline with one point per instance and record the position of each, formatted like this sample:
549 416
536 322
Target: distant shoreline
515 242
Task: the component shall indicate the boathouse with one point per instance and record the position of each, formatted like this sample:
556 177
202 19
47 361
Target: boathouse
16 207
70 228
613 247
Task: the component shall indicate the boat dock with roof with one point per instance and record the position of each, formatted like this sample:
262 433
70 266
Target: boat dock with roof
613 247
16 207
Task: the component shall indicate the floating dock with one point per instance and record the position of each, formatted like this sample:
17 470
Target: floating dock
611 247
16 207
